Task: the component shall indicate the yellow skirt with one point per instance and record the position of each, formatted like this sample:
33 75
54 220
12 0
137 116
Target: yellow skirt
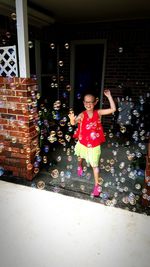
90 154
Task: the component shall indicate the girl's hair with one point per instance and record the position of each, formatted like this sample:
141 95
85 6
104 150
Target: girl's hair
90 93
96 99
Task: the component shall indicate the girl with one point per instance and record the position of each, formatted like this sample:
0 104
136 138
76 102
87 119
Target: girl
90 134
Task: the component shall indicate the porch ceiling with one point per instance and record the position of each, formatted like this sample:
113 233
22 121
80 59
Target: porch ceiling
94 10
83 11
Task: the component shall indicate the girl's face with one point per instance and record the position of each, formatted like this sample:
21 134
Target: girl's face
89 102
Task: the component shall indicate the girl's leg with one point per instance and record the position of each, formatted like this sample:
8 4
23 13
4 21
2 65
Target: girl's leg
97 188
96 175
80 167
80 161
94 160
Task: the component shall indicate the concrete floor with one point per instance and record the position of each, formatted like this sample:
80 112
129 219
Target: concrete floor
39 228
119 188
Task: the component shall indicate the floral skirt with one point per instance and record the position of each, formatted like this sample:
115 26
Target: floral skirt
90 154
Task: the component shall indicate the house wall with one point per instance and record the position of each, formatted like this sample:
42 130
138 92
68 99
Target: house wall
128 69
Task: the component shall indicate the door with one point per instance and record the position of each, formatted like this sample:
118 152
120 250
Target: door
87 70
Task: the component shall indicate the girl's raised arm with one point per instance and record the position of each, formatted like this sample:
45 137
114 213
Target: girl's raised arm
112 108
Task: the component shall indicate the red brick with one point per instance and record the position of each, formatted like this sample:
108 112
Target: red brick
145 202
147 172
23 118
6 143
3 110
16 111
22 94
7 148
21 106
10 168
147 161
17 134
3 121
2 80
148 152
9 80
10 128
15 149
8 117
15 162
7 92
2 159
7 153
28 81
13 99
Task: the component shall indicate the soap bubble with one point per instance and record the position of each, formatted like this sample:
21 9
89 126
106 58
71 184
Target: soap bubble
66 45
68 174
122 179
55 173
78 96
13 16
41 184
125 200
69 158
88 176
46 148
30 44
61 78
107 168
8 34
138 186
14 140
44 159
68 87
120 49
29 167
122 129
58 159
125 189
82 187
1 171
36 170
52 46
122 165
60 63
112 161
111 135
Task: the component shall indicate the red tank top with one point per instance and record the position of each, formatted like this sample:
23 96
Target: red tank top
90 131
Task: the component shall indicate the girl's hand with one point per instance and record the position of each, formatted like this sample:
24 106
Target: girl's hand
72 117
107 92
71 114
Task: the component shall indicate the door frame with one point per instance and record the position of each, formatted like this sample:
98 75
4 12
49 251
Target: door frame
73 45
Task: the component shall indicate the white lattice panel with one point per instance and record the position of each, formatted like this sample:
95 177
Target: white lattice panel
8 61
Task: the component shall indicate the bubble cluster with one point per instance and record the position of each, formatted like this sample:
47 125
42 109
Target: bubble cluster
121 163
122 181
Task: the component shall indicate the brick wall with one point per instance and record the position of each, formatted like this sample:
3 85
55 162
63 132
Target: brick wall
127 68
18 130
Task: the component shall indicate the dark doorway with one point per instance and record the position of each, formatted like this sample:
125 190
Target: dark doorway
88 71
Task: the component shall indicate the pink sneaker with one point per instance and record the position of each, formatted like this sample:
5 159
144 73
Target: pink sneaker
80 171
96 191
